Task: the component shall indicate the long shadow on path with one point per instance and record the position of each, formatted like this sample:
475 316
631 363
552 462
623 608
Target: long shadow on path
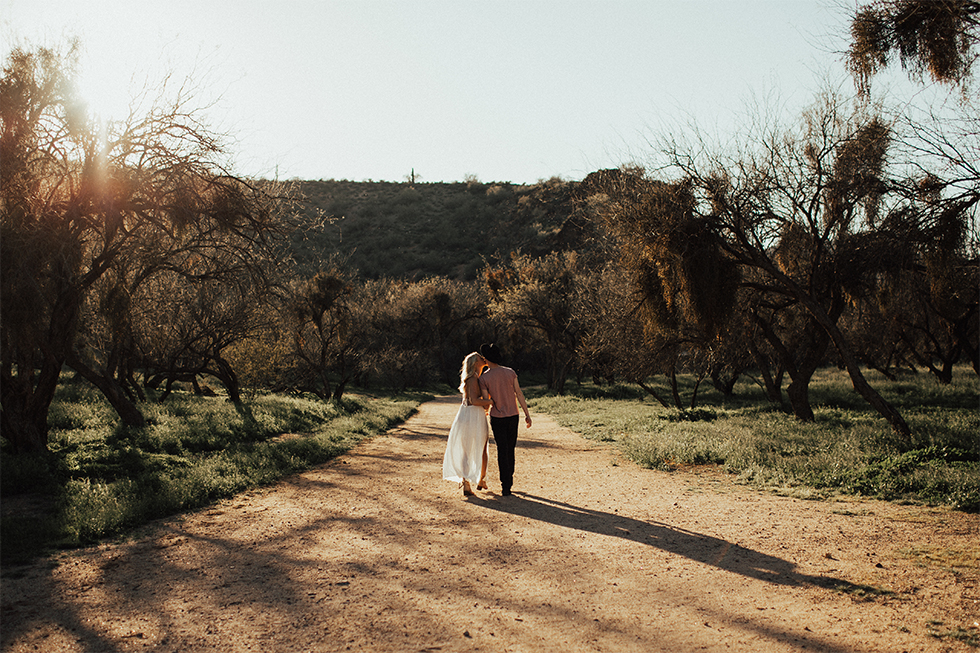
705 549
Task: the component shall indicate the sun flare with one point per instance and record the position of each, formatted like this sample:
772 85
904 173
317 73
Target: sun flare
106 89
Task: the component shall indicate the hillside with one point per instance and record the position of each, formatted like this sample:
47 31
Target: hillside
404 230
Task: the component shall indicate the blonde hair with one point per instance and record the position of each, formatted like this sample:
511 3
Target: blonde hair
468 370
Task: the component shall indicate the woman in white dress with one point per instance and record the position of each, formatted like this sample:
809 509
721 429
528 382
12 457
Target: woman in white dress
466 451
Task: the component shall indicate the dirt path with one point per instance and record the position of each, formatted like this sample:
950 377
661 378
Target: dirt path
374 552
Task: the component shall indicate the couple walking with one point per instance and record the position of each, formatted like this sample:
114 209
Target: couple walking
494 391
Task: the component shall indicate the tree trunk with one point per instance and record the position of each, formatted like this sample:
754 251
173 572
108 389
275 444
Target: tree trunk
946 374
726 385
694 394
674 390
129 380
24 418
861 385
962 329
654 394
169 388
885 409
25 399
798 392
25 434
800 361
557 369
562 376
113 392
773 382
226 374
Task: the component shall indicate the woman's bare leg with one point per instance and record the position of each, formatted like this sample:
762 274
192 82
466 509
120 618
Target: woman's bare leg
482 485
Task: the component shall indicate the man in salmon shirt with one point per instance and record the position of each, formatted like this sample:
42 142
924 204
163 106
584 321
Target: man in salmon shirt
500 383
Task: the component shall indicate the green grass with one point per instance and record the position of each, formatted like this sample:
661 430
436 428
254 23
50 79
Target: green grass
848 449
100 479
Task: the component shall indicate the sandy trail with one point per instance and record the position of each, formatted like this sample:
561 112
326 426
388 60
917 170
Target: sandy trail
375 552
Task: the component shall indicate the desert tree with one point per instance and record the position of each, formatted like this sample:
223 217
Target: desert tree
915 323
320 323
796 211
804 215
396 333
684 284
417 332
172 311
91 207
616 344
920 307
541 297
939 151
934 37
186 332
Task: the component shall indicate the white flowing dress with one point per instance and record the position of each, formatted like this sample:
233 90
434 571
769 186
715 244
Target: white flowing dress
467 438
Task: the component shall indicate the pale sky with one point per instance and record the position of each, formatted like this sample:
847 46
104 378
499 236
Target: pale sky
516 90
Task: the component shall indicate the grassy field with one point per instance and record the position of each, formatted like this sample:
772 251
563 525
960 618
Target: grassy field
848 449
101 479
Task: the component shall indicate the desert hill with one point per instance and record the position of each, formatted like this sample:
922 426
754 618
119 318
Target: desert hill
417 230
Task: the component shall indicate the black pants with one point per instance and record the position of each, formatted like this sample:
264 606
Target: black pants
505 438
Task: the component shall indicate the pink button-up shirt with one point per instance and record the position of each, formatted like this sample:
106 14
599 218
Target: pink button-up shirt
498 382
